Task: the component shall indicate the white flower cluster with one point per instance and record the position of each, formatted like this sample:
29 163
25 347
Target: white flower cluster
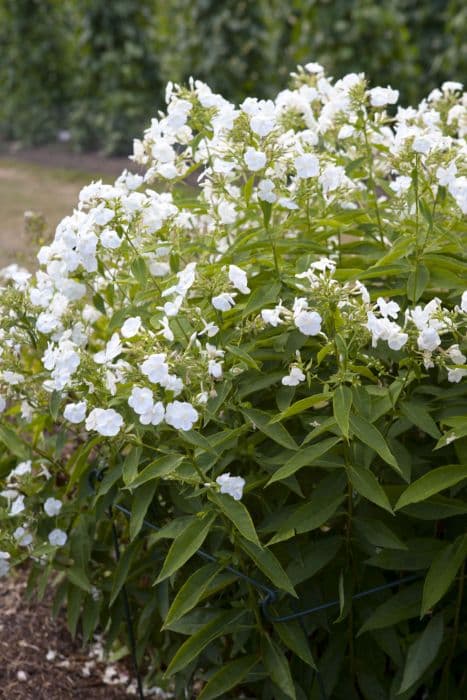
292 194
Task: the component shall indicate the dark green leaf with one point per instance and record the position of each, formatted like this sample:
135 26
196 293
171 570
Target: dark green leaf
304 458
434 481
191 592
422 652
269 565
342 404
229 676
221 624
365 482
275 432
371 436
278 667
186 544
442 572
236 512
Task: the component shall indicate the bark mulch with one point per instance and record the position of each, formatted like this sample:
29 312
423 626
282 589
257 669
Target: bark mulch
38 658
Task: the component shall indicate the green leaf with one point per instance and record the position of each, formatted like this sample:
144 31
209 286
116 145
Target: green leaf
78 578
121 570
434 481
162 466
186 544
194 645
236 512
302 405
293 636
309 516
419 554
139 507
377 533
365 482
278 667
417 414
54 404
139 270
78 462
242 355
267 211
403 605
304 458
191 592
275 432
317 556
13 443
229 676
417 282
130 465
342 404
371 436
442 572
422 652
269 565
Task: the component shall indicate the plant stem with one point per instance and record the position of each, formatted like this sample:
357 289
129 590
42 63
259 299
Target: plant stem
455 631
373 184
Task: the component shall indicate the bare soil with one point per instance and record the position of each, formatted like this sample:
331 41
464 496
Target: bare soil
40 660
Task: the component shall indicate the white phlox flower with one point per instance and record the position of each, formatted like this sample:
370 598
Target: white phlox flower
112 350
75 412
231 485
57 537
181 415
294 377
223 301
239 279
52 507
131 327
105 421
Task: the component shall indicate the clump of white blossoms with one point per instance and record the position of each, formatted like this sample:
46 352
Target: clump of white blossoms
320 223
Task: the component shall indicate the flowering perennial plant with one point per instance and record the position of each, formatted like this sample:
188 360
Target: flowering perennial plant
269 362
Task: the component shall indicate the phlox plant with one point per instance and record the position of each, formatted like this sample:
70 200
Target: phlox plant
257 348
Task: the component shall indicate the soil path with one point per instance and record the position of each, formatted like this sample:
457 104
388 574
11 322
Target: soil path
39 659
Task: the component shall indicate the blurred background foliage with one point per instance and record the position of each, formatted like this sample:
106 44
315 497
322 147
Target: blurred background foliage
95 70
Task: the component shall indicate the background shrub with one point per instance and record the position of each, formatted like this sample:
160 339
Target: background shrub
97 67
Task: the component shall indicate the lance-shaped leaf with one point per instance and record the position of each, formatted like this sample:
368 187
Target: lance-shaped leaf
224 623
442 572
236 512
422 652
191 592
186 544
268 563
278 667
433 482
365 482
304 458
371 436
275 431
342 403
229 676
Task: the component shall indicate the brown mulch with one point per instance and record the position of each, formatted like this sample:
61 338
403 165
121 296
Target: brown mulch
38 657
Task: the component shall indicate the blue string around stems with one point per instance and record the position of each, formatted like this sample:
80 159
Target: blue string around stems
271 595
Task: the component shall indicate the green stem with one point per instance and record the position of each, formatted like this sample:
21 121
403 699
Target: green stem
455 631
371 180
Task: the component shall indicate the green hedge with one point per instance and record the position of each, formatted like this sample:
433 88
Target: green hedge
96 68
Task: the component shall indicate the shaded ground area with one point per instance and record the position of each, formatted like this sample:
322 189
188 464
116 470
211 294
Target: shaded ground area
38 658
45 181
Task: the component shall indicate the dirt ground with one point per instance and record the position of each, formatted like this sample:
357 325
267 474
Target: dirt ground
45 181
39 659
